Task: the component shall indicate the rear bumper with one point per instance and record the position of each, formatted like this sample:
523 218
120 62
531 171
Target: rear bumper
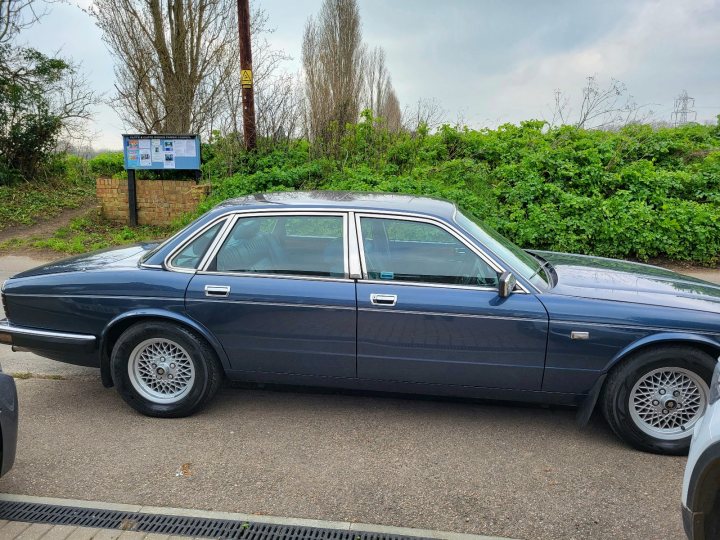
68 347
8 422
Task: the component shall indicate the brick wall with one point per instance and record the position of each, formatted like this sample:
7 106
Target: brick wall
159 202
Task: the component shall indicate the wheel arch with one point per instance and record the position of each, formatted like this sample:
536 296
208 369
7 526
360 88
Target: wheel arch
699 341
114 329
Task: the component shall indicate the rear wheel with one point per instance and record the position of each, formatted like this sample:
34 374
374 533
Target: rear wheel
161 369
654 399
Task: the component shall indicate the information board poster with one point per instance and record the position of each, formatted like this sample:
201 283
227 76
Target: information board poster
161 152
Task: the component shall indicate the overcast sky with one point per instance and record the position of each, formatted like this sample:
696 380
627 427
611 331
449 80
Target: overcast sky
485 61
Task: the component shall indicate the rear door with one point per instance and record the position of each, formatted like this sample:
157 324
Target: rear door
276 293
429 311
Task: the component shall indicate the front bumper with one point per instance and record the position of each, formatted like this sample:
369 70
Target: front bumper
693 523
69 347
8 422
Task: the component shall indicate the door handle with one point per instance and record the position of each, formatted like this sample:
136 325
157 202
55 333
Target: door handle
383 299
220 291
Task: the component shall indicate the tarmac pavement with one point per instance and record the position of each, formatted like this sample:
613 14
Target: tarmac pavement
469 467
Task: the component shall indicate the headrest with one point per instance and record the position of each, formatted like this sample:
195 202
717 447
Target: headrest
247 228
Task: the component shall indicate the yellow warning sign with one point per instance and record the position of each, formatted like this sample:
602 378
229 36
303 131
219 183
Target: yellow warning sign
246 78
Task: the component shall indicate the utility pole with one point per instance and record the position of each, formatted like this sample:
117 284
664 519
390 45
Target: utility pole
246 74
684 109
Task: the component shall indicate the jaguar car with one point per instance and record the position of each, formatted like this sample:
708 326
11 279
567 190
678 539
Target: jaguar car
380 292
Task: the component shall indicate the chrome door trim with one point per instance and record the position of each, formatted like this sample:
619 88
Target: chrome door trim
275 304
447 314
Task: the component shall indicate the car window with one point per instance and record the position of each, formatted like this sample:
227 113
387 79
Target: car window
403 250
291 245
191 255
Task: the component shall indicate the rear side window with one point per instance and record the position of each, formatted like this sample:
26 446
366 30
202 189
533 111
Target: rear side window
289 245
191 255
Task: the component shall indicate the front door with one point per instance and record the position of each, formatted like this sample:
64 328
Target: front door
429 312
277 296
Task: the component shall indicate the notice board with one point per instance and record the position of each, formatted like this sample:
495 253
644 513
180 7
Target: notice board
161 152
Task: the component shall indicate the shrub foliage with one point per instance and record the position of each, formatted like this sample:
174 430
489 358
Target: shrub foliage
639 192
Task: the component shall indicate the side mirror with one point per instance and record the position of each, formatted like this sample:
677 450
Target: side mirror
506 284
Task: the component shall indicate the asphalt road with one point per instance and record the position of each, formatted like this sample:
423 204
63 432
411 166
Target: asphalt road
494 469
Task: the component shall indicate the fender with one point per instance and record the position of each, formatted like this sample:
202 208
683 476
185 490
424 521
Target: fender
664 337
156 314
587 406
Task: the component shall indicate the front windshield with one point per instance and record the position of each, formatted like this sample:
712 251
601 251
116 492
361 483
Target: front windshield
521 262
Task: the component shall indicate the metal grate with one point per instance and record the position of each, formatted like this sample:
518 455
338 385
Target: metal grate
178 525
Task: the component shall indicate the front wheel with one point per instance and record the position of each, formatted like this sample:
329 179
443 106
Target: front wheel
654 399
161 369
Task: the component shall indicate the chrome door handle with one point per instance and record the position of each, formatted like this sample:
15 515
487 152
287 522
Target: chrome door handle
220 291
383 299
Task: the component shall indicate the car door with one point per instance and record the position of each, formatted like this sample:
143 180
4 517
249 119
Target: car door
275 292
429 311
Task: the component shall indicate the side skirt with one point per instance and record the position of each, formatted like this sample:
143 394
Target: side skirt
528 396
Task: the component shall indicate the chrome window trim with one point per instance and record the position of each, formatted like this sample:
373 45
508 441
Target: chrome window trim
354 211
276 276
354 264
219 239
215 248
432 221
168 265
431 285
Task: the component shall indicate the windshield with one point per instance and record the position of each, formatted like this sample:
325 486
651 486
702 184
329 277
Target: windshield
521 262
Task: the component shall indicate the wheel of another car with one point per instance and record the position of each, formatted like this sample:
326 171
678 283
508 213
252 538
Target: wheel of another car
653 399
164 370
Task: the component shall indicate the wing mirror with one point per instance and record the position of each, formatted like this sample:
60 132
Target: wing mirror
506 284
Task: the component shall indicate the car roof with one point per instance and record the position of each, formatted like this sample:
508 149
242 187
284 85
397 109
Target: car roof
345 200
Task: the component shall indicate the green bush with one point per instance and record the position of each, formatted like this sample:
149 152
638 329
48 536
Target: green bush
107 164
639 192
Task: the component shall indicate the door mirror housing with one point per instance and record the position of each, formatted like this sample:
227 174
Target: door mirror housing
506 284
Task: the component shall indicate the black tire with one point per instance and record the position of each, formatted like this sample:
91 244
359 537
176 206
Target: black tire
208 372
619 384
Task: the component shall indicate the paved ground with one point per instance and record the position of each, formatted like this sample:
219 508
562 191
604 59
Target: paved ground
523 472
60 532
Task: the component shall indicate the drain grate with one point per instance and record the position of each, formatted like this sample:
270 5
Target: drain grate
178 525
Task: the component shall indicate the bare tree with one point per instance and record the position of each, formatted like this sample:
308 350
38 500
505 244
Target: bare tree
333 56
391 112
377 81
16 15
427 112
600 108
172 59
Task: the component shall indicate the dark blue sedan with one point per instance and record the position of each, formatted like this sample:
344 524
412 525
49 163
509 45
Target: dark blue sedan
381 292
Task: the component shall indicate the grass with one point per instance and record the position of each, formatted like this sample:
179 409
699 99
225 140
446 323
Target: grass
88 234
26 203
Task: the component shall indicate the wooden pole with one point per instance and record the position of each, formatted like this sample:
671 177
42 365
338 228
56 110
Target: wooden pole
246 74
